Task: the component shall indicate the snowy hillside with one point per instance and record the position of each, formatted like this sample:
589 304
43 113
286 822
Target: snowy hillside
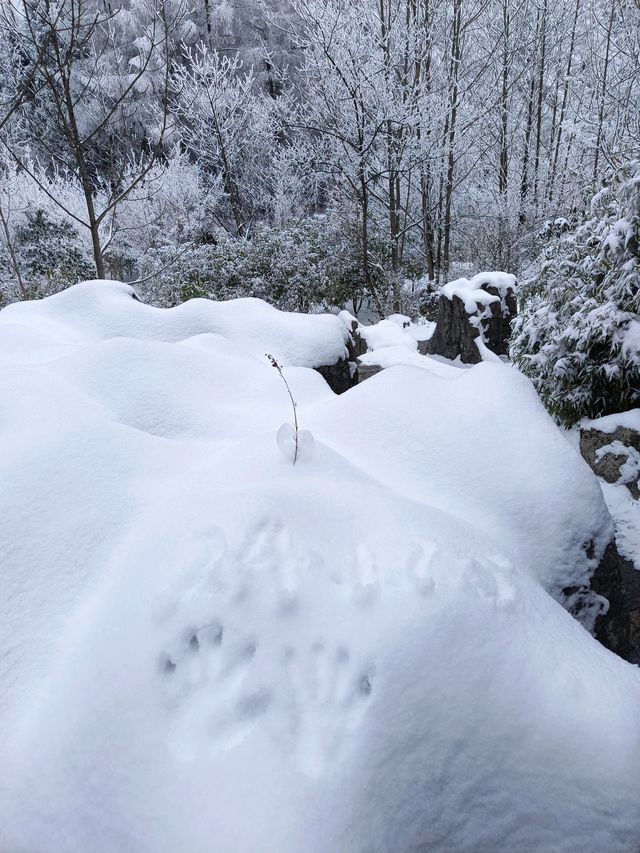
206 649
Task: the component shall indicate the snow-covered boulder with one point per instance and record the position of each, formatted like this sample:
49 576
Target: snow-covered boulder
207 649
474 317
93 311
618 580
611 446
392 341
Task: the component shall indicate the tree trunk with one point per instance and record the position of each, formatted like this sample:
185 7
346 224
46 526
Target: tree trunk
364 242
524 184
565 98
540 100
504 94
603 94
11 252
456 48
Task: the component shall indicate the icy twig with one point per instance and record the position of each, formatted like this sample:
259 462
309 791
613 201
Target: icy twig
275 364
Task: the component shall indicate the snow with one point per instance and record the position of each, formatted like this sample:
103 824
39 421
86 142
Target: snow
295 445
394 331
207 649
392 356
485 353
630 468
394 341
385 333
470 291
479 447
625 512
304 340
631 341
610 423
421 330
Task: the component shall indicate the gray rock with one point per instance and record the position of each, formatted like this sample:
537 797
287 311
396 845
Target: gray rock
617 580
456 330
358 345
366 371
454 335
608 466
344 373
340 376
497 328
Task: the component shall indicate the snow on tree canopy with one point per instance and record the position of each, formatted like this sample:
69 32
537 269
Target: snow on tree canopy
578 335
207 649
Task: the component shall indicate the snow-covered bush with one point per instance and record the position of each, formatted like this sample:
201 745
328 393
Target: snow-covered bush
286 268
578 333
169 209
43 248
45 256
297 268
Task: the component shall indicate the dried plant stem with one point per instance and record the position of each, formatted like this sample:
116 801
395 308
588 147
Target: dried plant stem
275 364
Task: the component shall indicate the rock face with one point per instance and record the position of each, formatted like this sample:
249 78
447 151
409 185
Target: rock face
340 376
497 327
344 373
617 580
454 335
623 445
358 345
457 329
366 371
613 455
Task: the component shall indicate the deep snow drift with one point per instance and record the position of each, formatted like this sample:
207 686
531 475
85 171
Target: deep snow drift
207 650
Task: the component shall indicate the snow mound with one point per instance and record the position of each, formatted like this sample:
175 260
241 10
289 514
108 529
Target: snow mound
470 290
207 649
477 444
392 356
95 310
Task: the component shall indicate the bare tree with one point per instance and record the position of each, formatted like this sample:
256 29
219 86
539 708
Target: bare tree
565 99
85 111
603 91
229 127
